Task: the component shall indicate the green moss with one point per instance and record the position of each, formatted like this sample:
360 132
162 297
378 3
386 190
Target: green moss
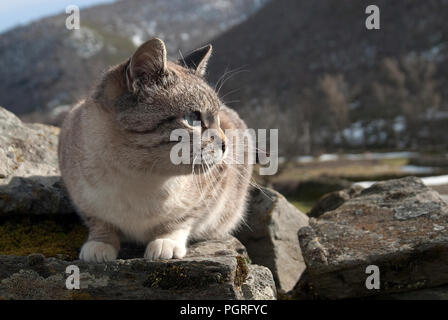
398 162
220 279
171 277
283 296
80 295
176 277
241 271
51 238
303 205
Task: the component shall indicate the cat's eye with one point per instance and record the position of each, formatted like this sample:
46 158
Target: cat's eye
193 119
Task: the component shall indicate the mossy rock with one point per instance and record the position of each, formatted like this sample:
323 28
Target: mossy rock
25 235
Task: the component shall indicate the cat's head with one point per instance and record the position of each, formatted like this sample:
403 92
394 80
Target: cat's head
148 98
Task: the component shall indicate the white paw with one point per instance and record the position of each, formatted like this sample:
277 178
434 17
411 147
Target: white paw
95 251
161 249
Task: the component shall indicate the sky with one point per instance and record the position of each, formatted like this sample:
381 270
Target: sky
16 12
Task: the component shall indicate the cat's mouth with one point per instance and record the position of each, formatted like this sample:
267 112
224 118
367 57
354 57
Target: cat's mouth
210 154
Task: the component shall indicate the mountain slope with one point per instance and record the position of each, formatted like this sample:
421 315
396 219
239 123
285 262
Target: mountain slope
314 64
43 65
289 43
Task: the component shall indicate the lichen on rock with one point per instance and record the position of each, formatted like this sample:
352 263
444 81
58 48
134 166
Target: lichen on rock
198 276
26 235
397 225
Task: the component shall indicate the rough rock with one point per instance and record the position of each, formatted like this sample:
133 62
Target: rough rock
212 270
29 174
437 293
270 236
444 197
333 200
398 225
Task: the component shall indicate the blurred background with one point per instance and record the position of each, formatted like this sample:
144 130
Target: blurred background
351 104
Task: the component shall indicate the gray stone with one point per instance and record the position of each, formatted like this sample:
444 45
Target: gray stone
259 284
26 149
398 225
29 174
270 236
212 270
333 200
438 293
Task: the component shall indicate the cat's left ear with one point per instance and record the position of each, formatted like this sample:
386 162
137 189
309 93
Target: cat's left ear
148 63
197 60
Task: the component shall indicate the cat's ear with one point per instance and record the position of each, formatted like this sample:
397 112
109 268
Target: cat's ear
197 60
147 63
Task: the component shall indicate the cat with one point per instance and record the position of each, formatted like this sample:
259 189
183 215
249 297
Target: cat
114 157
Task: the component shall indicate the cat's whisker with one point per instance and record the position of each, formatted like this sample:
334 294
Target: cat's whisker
232 102
152 167
254 149
222 79
213 179
244 222
212 187
229 76
196 180
251 181
182 57
200 177
205 176
230 92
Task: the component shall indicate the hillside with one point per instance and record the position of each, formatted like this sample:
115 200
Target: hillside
312 67
43 65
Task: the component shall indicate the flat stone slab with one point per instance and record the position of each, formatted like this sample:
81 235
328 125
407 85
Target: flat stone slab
401 226
212 270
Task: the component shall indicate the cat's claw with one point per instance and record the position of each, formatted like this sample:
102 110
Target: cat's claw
96 251
161 249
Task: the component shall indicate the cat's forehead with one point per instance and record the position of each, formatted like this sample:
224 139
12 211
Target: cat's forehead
186 91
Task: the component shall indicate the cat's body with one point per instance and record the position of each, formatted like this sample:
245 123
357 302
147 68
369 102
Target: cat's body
114 158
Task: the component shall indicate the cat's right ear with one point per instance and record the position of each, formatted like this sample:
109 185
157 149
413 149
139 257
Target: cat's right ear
147 64
197 60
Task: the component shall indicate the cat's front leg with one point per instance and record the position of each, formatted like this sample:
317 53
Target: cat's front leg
168 246
103 243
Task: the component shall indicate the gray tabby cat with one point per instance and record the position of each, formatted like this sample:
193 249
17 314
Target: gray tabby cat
114 156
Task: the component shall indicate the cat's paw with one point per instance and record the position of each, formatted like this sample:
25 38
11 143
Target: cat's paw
161 249
95 251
